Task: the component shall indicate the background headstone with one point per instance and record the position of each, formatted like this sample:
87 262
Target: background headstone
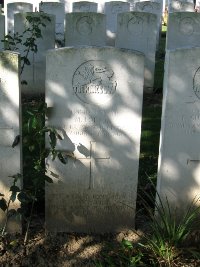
2 30
154 8
181 6
183 30
85 28
58 10
14 8
112 9
89 92
10 127
34 74
179 157
138 31
85 6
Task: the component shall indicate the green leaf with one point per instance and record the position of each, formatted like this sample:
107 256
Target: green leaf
31 148
14 188
23 197
23 82
52 137
26 61
127 244
3 204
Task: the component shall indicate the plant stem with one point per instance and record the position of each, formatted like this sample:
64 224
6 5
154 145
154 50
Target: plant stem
6 221
30 218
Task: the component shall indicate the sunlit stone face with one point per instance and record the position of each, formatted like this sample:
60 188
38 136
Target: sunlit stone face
96 105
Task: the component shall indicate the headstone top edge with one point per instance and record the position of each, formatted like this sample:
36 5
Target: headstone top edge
85 13
85 47
10 52
188 48
138 12
20 2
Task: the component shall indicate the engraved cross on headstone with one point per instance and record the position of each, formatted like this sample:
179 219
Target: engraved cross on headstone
92 160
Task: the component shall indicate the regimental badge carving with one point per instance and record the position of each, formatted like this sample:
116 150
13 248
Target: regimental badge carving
196 83
135 25
94 82
186 26
84 25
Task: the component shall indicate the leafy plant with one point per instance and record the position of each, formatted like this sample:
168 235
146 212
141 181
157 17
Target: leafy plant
168 232
34 131
5 205
127 254
35 152
32 33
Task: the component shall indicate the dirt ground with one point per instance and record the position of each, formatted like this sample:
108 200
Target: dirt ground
63 249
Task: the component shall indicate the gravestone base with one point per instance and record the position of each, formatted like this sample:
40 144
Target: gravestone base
89 211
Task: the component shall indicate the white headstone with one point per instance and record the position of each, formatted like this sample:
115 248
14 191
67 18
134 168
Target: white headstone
10 127
95 98
112 9
183 30
179 158
154 8
138 31
58 10
84 6
34 74
2 30
180 6
85 29
14 8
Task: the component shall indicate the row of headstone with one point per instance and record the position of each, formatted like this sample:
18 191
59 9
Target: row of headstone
90 91
111 10
71 5
139 29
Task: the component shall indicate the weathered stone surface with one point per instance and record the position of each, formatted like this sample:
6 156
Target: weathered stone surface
179 159
85 28
181 6
95 101
112 9
10 127
154 8
14 8
58 10
84 6
138 31
183 30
